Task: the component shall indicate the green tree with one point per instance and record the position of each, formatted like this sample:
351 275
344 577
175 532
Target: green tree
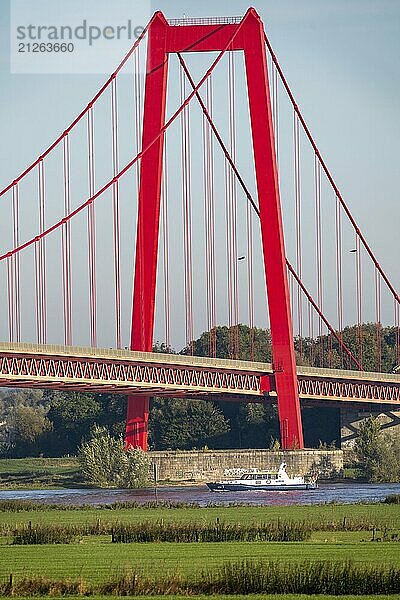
251 425
72 415
185 424
257 341
105 462
258 424
28 428
378 454
112 412
367 447
326 350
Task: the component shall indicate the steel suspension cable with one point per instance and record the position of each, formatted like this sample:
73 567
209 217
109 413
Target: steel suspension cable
91 232
213 291
291 295
66 246
15 264
250 275
339 269
311 334
230 211
213 281
275 109
165 246
41 260
251 200
10 299
217 135
82 114
359 299
228 250
132 162
242 184
328 174
299 254
232 128
206 183
187 217
378 319
138 93
116 213
208 176
318 251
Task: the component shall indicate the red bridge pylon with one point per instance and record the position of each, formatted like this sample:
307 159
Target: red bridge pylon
246 36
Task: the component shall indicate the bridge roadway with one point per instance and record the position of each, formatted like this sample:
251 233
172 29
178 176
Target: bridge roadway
126 372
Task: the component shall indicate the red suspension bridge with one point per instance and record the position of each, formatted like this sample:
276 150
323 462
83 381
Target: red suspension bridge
201 171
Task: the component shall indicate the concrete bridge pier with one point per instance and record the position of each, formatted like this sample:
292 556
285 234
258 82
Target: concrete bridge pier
352 416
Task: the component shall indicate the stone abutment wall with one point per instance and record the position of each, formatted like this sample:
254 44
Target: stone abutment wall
210 465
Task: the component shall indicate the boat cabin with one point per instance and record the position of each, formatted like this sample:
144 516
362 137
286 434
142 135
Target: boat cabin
269 476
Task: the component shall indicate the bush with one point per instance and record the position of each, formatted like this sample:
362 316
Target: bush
209 532
43 586
242 577
322 577
377 453
44 534
392 499
105 462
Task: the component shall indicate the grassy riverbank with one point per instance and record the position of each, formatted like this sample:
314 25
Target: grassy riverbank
258 597
39 473
263 597
320 515
58 473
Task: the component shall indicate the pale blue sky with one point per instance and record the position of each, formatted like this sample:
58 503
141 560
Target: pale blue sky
341 58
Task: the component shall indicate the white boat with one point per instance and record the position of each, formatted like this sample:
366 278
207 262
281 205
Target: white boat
273 481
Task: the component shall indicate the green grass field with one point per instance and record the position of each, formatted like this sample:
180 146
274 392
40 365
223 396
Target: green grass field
383 514
95 558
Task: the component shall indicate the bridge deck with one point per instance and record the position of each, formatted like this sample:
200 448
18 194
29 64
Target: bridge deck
125 371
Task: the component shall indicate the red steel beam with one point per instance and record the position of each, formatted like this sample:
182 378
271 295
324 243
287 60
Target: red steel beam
142 378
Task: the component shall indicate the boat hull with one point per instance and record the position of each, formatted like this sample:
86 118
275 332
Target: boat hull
242 487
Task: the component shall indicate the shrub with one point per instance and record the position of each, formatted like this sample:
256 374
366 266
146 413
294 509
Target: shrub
378 454
392 499
210 532
44 534
321 577
43 586
105 462
243 577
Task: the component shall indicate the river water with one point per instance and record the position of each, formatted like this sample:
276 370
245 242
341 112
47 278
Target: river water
199 494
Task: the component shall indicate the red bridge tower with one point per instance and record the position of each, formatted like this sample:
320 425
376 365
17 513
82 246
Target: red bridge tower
246 36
